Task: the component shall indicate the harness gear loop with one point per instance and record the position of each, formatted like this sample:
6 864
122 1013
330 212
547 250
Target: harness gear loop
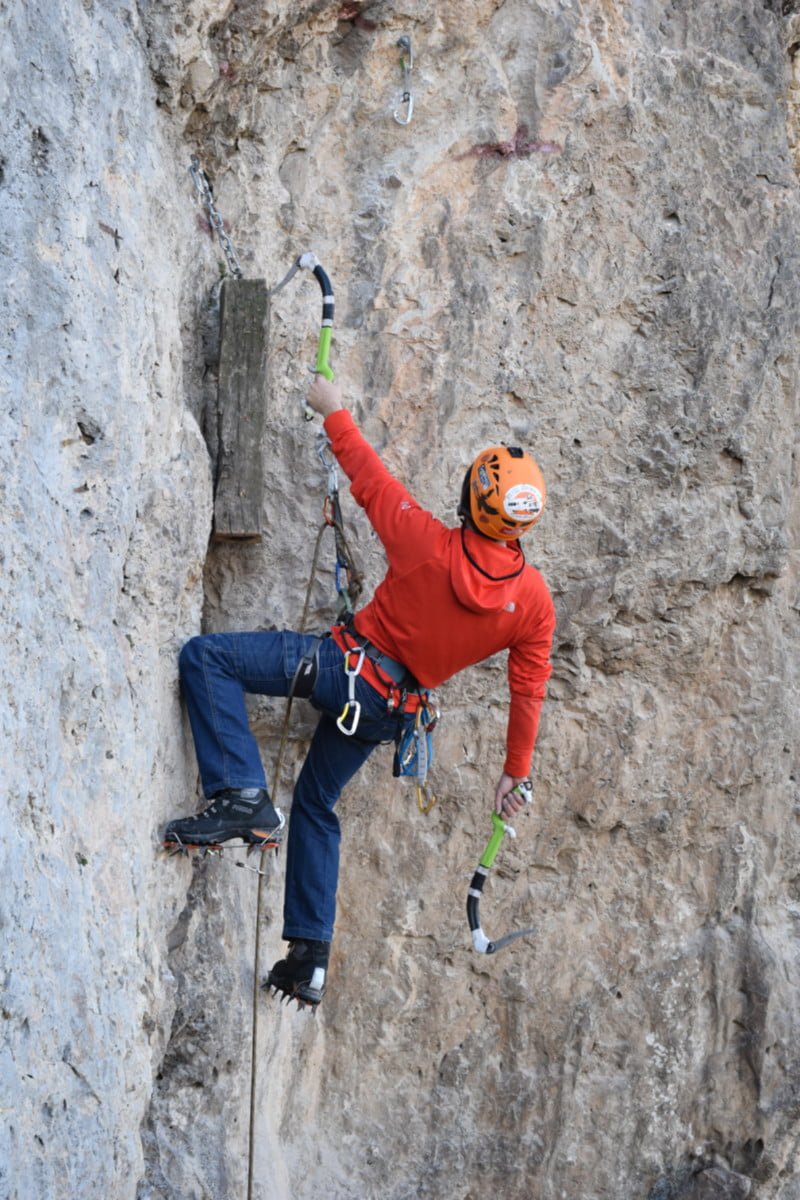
480 941
306 672
200 180
352 674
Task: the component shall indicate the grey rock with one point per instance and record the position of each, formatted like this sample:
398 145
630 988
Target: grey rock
626 304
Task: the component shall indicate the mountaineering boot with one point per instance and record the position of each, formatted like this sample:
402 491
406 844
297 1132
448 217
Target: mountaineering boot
301 975
245 813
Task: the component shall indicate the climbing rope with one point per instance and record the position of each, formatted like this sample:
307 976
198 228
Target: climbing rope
347 593
349 580
260 890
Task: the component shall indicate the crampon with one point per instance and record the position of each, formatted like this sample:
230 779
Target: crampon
215 849
236 818
301 975
286 997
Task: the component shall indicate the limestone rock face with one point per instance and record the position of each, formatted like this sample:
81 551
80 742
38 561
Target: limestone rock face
585 241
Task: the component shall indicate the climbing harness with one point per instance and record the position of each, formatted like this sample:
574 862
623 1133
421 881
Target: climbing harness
406 66
305 675
203 186
480 941
414 753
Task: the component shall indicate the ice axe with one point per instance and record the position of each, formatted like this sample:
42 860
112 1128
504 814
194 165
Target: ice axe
310 262
480 941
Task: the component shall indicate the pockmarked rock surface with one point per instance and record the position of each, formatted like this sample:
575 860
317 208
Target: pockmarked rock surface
586 241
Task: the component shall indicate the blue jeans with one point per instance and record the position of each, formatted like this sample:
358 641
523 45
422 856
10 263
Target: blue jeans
216 672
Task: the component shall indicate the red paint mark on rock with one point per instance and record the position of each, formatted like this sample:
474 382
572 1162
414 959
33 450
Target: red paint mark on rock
520 146
353 12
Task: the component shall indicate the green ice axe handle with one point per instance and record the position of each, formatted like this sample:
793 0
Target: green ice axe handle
499 829
310 262
480 941
321 366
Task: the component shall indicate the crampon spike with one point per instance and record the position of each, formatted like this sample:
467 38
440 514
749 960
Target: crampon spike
187 849
177 847
286 998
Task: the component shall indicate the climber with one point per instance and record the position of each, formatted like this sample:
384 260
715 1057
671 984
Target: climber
450 598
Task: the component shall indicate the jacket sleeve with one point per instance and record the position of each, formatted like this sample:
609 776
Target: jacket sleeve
399 521
528 671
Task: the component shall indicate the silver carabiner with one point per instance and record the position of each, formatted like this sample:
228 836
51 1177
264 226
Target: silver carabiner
329 463
341 721
352 706
406 64
408 100
353 672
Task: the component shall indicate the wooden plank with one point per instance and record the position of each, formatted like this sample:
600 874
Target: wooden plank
241 400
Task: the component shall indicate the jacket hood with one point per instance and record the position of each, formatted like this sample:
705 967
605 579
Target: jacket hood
491 591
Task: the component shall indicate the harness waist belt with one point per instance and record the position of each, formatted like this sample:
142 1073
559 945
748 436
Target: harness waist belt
398 673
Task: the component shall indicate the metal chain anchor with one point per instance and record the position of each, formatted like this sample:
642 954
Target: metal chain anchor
200 180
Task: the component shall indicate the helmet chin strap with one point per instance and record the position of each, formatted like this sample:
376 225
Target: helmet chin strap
477 565
463 504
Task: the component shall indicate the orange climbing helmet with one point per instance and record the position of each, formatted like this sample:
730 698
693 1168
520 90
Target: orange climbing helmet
503 493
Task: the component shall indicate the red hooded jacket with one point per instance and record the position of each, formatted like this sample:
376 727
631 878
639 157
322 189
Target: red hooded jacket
436 611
